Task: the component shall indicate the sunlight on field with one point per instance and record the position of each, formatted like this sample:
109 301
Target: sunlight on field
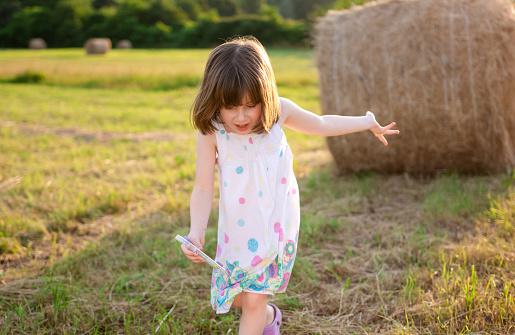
149 69
139 69
97 161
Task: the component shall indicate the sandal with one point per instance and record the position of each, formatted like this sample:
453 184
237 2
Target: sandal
273 328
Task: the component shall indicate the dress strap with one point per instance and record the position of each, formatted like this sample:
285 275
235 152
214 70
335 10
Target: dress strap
218 126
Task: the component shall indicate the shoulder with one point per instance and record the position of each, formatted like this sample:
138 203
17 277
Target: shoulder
206 141
286 104
287 107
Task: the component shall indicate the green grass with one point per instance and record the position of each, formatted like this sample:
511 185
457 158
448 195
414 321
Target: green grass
97 109
156 70
97 163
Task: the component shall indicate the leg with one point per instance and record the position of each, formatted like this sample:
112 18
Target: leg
253 313
270 312
237 301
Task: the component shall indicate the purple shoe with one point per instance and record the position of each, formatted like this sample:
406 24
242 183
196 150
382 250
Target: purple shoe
273 328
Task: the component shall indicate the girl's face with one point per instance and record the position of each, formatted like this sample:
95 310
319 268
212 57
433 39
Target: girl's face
241 119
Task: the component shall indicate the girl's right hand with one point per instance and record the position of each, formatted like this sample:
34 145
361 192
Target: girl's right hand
198 241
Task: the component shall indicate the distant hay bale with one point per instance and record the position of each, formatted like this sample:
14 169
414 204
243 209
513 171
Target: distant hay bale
97 46
444 70
37 44
124 44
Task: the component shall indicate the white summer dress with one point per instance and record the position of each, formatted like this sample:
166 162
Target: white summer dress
259 215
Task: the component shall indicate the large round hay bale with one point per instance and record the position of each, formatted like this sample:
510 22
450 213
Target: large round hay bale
124 44
444 70
37 44
97 46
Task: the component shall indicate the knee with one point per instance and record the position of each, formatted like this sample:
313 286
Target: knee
253 301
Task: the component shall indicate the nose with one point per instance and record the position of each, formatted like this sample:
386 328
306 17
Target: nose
240 116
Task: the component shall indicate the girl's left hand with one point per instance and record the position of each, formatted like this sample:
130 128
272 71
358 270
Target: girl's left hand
379 131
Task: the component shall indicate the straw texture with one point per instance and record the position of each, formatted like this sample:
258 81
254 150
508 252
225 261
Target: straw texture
444 70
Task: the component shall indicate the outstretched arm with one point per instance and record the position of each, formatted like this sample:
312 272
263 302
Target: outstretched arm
309 123
202 195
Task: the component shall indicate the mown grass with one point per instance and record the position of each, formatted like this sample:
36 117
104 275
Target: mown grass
96 168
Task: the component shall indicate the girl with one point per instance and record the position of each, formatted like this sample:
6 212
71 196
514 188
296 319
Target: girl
240 118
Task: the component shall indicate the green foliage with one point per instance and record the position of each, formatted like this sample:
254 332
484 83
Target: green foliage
252 6
8 8
29 77
154 23
346 4
225 7
58 26
300 10
97 4
269 30
191 8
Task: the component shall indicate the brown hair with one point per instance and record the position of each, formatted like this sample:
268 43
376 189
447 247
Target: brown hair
234 70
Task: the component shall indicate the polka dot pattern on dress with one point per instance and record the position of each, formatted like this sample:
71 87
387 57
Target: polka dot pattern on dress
253 245
256 260
279 230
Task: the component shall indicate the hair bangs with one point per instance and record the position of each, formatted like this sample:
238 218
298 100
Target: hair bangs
237 87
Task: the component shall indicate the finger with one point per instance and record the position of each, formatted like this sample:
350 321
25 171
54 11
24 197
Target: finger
381 137
191 255
389 126
198 243
188 252
198 259
391 132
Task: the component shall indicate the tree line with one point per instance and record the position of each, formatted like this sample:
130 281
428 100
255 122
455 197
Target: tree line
160 23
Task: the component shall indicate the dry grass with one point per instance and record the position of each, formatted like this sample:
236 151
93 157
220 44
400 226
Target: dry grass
377 265
369 262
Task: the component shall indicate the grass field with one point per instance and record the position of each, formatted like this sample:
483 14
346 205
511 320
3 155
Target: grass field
97 164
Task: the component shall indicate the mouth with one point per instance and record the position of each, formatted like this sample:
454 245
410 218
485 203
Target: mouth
242 127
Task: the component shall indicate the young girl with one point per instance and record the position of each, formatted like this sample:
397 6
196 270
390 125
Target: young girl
240 118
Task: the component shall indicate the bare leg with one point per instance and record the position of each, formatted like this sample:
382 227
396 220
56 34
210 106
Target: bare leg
237 301
270 312
255 313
